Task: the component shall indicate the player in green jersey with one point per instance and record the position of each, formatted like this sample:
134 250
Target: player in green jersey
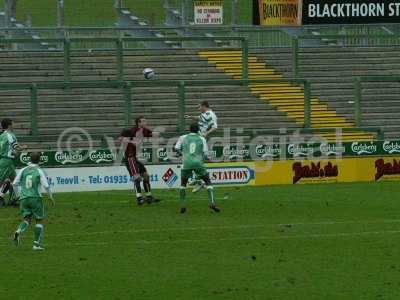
29 180
9 148
208 125
193 148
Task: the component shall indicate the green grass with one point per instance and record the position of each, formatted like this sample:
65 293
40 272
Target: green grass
287 242
77 12
102 13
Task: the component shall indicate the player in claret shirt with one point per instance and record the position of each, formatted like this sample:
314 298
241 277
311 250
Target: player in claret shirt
137 170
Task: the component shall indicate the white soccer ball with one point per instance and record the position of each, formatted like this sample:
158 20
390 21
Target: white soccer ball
148 73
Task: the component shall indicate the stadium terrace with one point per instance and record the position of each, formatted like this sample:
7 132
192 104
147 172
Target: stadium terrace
350 10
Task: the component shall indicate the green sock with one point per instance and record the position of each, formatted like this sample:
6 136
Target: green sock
23 226
182 194
210 191
38 234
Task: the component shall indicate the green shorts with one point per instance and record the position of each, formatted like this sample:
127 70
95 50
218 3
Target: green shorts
188 173
7 169
32 207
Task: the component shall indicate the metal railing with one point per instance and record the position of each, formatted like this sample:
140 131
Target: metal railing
119 47
257 36
354 39
115 40
357 40
128 88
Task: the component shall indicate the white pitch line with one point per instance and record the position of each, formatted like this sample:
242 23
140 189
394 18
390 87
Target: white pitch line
131 195
131 199
270 238
199 228
300 236
94 202
216 228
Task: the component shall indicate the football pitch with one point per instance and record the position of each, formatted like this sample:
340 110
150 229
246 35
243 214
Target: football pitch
285 242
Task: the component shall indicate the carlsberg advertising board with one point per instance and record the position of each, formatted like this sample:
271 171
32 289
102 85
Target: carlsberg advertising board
229 153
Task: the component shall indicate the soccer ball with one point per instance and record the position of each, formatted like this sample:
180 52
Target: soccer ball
148 73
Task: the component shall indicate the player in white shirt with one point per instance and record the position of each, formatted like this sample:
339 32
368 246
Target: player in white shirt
208 124
208 121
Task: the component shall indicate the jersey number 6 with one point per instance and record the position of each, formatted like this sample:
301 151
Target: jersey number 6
28 182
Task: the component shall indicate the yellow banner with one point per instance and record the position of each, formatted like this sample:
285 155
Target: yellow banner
327 171
305 171
280 12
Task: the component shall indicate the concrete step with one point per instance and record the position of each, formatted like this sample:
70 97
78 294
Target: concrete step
60 109
105 72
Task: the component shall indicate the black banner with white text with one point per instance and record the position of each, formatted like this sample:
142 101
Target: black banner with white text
350 11
308 12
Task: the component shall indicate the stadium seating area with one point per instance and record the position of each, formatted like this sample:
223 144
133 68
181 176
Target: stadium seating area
60 109
330 70
263 208
266 210
284 96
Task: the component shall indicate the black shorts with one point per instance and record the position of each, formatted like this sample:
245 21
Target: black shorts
134 166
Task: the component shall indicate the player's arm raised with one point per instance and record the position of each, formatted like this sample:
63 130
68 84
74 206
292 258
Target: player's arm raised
17 182
178 146
148 132
193 118
17 148
214 126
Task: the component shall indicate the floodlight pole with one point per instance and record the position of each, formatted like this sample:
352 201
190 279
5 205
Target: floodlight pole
184 12
118 5
60 13
7 12
166 4
234 11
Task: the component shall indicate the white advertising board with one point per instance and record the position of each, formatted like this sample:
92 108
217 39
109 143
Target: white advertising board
208 12
117 178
